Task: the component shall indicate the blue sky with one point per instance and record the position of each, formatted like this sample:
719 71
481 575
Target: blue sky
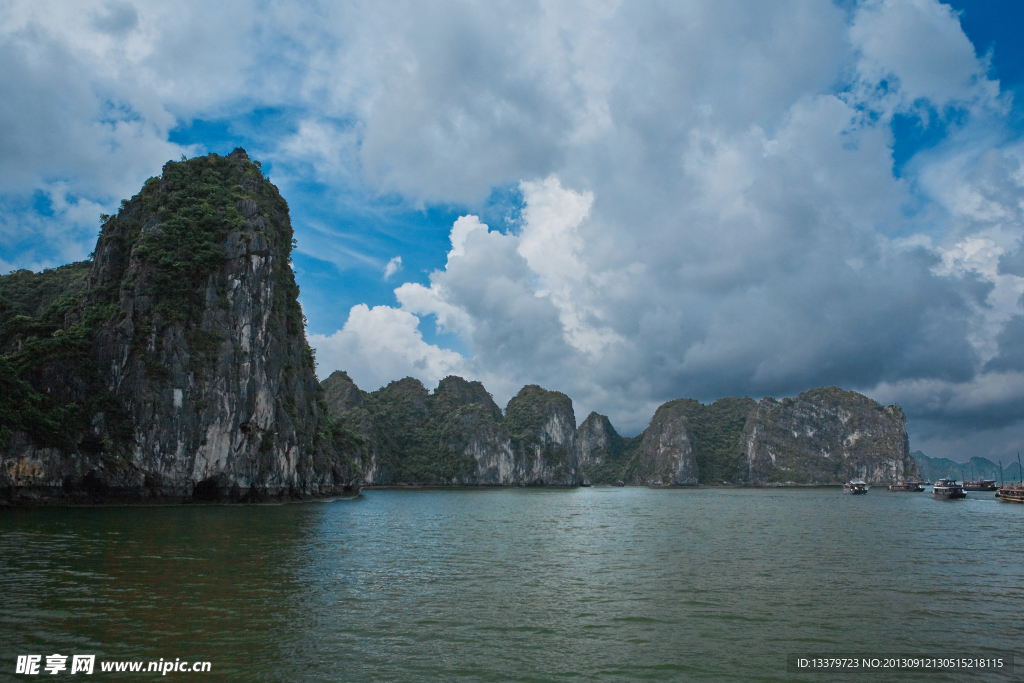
625 202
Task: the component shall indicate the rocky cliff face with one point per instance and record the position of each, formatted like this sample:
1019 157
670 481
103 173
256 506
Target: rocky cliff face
823 436
458 435
541 441
663 454
192 373
827 436
686 443
601 452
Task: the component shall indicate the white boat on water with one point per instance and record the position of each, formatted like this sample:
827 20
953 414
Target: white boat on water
855 486
948 489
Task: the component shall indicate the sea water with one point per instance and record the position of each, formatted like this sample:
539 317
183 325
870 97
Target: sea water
590 584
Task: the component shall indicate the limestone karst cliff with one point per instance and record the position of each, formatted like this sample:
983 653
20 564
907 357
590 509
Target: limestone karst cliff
663 453
602 454
457 435
686 442
178 367
827 435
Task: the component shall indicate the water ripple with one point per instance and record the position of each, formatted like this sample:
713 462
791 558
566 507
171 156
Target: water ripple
517 585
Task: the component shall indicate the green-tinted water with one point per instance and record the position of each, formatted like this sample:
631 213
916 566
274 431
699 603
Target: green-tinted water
518 584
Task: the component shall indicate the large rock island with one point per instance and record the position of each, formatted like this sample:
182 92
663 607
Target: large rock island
174 366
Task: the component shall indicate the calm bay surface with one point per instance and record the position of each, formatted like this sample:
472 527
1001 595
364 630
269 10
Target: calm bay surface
606 584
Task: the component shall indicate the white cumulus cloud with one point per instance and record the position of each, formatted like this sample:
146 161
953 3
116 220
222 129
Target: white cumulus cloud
381 344
393 266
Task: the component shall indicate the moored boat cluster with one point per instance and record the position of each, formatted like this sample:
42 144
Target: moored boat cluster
949 488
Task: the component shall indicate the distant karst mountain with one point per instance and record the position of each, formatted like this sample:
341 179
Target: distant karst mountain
458 436
938 468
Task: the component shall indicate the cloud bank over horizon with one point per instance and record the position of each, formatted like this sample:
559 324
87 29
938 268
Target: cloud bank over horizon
702 199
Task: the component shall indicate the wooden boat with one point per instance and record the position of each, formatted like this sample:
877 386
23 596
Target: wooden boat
948 489
978 483
1009 492
855 486
909 486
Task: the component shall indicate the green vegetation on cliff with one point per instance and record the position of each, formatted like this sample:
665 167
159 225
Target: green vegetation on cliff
457 434
528 410
416 437
176 226
174 229
24 293
714 433
415 441
718 439
49 385
526 416
195 208
605 463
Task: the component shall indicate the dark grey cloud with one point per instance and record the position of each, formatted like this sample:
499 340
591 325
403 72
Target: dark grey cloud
116 19
1011 348
1012 263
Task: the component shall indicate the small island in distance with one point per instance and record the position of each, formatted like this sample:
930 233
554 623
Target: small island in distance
174 367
